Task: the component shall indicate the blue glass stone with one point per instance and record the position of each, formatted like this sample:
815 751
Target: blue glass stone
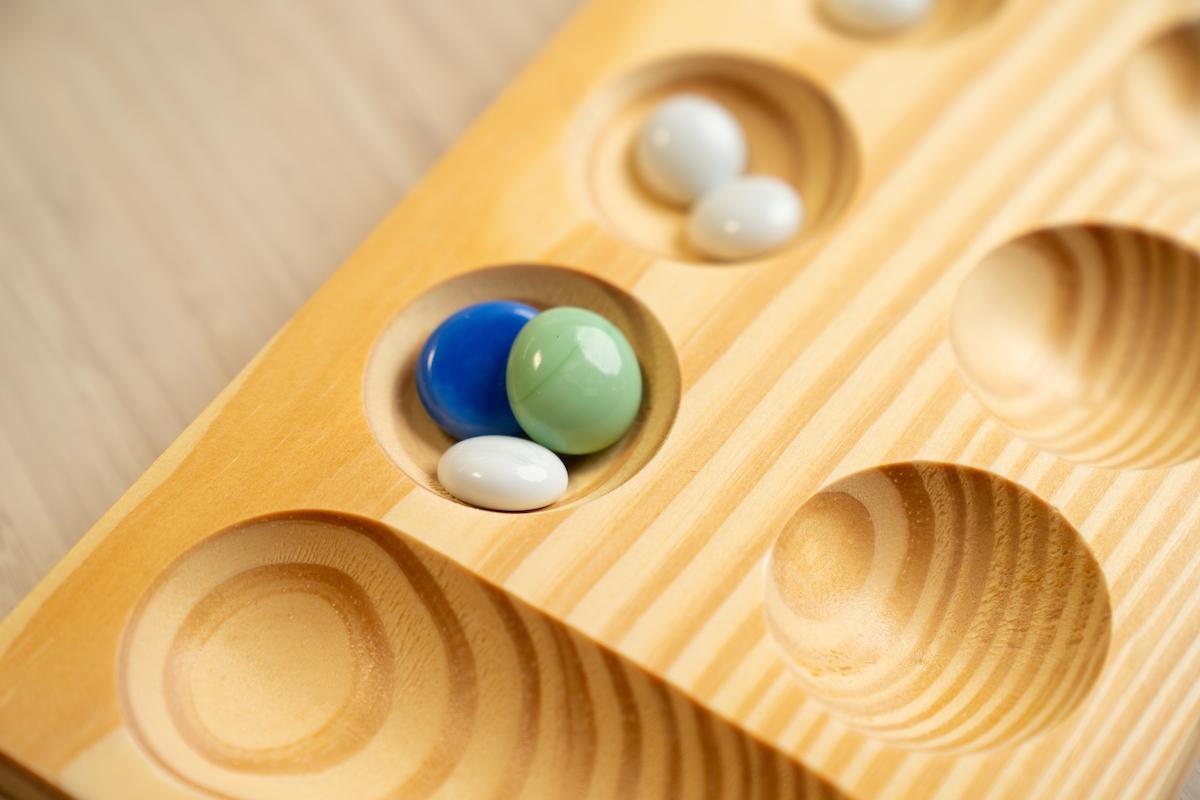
461 372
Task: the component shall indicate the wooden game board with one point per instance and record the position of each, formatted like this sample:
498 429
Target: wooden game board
284 605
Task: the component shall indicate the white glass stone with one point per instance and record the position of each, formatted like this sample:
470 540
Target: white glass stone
875 17
745 218
688 145
503 473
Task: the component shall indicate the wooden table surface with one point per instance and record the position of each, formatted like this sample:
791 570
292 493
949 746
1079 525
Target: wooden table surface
175 179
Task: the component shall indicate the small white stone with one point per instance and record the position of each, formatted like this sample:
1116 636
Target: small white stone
875 17
688 145
502 473
745 218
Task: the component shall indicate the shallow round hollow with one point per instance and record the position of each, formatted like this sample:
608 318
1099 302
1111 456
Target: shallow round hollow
949 18
794 131
415 443
1157 99
1085 340
272 660
312 655
938 606
332 657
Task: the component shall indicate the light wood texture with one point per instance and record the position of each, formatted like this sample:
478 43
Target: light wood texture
825 360
1158 99
603 727
938 607
1082 340
176 178
318 656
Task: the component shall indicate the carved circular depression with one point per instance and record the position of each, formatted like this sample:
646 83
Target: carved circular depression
239 709
938 606
317 655
328 656
1157 96
948 18
794 131
1085 340
415 443
275 659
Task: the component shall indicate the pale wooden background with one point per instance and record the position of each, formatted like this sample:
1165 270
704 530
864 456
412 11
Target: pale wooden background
175 179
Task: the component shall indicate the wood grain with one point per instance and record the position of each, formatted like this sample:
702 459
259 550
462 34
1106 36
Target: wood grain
418 680
794 372
1158 98
1080 339
938 607
175 180
221 290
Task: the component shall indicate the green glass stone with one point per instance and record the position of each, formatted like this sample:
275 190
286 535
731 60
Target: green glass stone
573 381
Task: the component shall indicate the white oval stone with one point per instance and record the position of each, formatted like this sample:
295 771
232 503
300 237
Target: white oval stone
688 145
745 218
503 473
874 17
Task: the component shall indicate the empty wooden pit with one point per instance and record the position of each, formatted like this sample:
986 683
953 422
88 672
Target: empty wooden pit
938 606
1085 340
317 655
1157 96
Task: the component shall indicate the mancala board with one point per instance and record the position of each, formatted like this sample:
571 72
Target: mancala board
914 501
